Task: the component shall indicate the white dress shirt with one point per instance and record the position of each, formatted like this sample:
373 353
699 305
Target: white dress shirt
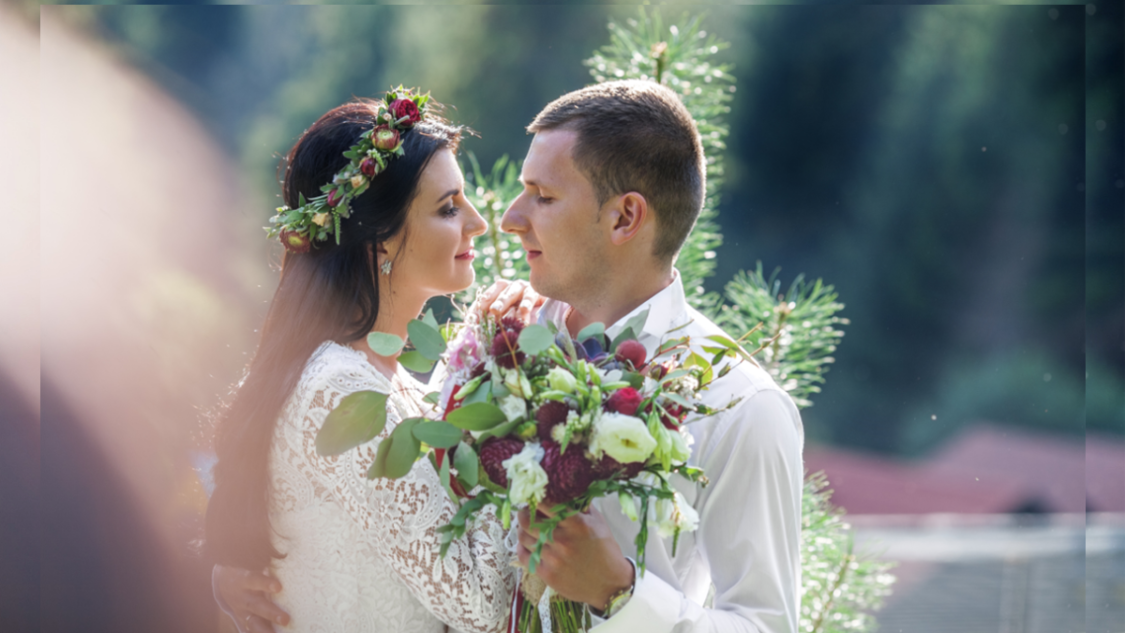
747 542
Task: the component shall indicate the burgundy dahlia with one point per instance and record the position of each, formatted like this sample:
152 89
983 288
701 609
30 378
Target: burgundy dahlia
549 414
503 346
631 351
512 323
492 455
569 474
624 401
608 467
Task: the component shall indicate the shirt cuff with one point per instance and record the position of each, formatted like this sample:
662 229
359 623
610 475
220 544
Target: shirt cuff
655 607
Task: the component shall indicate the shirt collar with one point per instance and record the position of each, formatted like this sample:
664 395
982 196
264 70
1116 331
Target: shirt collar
667 309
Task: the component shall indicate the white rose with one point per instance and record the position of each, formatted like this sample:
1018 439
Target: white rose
526 478
668 515
562 380
623 437
513 407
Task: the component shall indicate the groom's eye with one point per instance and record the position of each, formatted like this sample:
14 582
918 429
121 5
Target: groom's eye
543 199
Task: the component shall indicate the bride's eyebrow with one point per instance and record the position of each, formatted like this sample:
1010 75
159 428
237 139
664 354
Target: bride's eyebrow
451 192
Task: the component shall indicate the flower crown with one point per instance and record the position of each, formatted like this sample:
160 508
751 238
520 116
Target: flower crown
319 218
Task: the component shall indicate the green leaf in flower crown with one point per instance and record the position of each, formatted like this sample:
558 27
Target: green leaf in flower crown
437 433
384 344
478 416
535 339
426 339
404 450
415 362
357 419
467 463
590 331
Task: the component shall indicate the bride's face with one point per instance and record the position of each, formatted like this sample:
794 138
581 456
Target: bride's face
434 252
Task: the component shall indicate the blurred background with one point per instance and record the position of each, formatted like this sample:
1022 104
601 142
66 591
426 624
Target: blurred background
956 172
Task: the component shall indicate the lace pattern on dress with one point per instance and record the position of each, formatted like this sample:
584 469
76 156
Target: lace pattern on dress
363 555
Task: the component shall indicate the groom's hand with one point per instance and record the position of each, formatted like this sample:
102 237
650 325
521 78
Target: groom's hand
245 595
583 563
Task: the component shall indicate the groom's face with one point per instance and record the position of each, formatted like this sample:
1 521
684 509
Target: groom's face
556 218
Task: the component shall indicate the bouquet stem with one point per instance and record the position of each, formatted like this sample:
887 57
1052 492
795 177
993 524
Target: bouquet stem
567 616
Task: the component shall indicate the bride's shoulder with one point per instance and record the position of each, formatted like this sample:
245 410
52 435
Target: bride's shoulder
341 368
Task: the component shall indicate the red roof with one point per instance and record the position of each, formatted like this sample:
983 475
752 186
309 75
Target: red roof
986 469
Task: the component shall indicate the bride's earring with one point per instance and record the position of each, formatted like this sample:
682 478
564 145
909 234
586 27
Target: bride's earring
385 267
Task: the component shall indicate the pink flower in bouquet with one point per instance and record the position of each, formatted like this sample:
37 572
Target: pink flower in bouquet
625 400
503 345
465 351
492 455
569 474
631 351
550 414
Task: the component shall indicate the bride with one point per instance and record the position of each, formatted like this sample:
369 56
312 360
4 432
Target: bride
394 231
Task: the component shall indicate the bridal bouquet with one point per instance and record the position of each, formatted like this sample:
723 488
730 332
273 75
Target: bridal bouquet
532 417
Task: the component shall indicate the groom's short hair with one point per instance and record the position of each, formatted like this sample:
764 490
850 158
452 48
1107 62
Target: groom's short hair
636 136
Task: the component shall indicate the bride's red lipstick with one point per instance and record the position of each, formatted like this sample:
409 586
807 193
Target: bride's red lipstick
467 255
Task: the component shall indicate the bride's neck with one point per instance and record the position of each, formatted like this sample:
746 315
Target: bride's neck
396 310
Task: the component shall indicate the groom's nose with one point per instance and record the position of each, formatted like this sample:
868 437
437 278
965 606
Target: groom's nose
514 219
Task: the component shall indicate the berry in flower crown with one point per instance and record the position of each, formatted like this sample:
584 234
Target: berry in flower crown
318 219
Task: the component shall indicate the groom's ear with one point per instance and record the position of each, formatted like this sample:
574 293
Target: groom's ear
627 216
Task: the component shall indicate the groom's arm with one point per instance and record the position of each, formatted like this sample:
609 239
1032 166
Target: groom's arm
749 530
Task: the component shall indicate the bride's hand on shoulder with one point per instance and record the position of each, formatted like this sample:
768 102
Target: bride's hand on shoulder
244 594
509 298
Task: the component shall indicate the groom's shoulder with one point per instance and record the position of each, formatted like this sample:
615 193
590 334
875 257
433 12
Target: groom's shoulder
745 378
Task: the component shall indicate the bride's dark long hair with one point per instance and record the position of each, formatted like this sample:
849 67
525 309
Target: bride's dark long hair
329 293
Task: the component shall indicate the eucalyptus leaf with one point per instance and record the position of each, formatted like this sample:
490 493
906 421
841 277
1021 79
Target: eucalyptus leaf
478 416
590 331
429 319
404 450
415 362
535 339
432 398
358 418
480 394
467 463
379 466
426 339
437 433
385 344
637 322
500 430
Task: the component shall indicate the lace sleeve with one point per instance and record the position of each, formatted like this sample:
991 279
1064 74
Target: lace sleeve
471 587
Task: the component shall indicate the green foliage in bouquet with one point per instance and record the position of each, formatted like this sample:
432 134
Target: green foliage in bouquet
793 333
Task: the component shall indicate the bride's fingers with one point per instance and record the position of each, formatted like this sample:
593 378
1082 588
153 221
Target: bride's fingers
530 301
508 298
490 294
262 611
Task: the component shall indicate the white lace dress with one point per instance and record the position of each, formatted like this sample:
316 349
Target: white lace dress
362 555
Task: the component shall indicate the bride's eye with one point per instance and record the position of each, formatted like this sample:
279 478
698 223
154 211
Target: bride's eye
450 211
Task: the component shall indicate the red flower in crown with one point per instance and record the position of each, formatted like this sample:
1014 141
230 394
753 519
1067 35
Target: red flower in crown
369 167
295 242
405 108
334 197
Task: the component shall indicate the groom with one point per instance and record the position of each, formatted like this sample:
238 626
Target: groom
613 183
